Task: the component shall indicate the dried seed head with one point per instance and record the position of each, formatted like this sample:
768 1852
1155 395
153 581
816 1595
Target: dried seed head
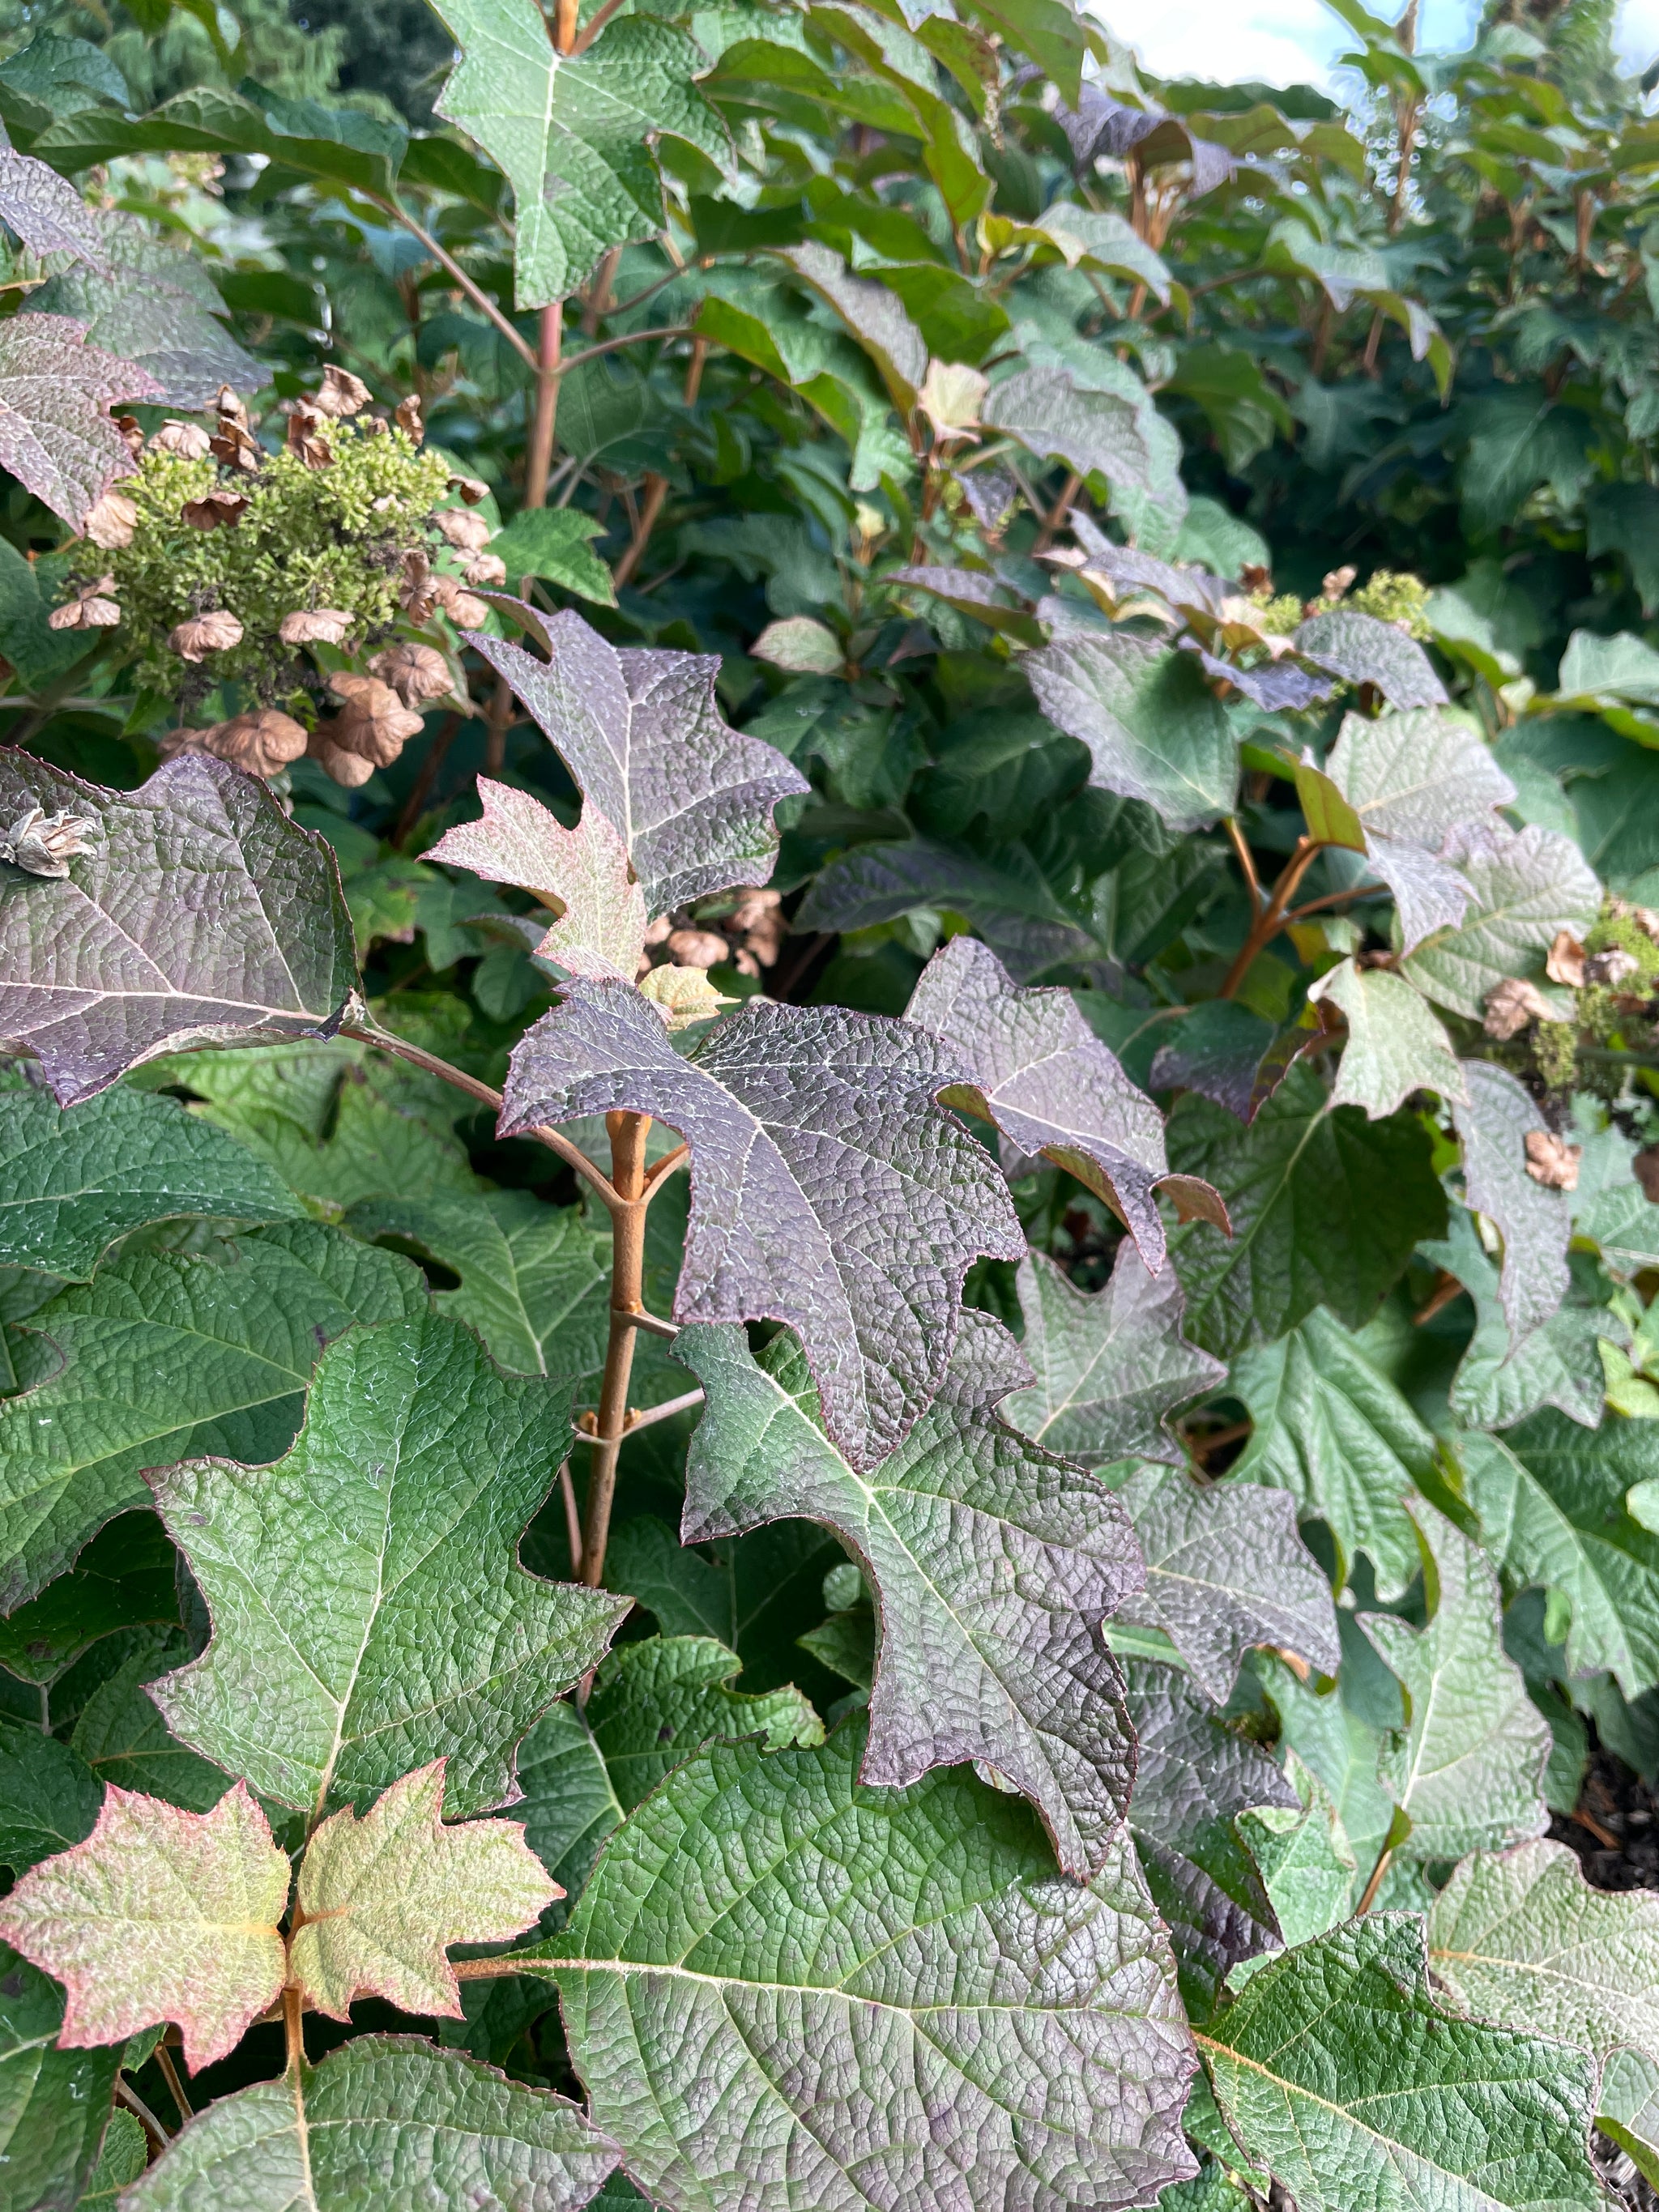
656 932
236 446
1612 967
414 595
320 626
43 844
210 633
346 768
407 416
471 489
215 510
340 394
1646 1167
261 743
230 407
131 433
89 609
414 671
305 439
682 995
1552 1160
1565 962
1512 1004
466 533
1337 582
188 440
111 522
698 948
373 721
486 570
463 609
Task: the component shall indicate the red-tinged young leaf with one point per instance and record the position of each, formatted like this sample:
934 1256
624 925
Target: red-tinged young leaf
56 435
642 734
583 871
1047 1082
160 1916
383 1896
829 1189
196 912
994 1562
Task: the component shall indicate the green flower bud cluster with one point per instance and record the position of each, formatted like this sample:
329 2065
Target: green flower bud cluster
1279 612
1394 598
307 538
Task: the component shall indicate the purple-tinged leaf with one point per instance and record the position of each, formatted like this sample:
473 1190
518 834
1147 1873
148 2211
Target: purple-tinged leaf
1194 1776
977 592
583 872
198 914
829 1189
1225 1052
1153 727
1111 1365
1042 1076
56 437
47 212
1534 1222
1226 1572
1363 650
642 734
1277 687
993 1562
1017 915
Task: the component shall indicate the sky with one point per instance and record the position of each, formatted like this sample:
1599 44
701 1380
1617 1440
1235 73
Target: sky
1291 41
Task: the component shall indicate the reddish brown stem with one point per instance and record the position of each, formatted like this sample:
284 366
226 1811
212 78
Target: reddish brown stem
540 461
627 1133
1271 920
656 491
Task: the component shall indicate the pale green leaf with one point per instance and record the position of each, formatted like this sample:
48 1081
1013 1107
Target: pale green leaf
552 542
574 134
1527 886
1469 1767
1395 1046
384 1895
392 1525
159 1915
582 874
967 2018
1339 2075
385 2120
1304 1856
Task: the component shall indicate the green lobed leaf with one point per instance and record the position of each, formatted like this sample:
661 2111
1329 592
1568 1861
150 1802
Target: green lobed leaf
552 542
1111 1364
1395 1046
895 1992
1535 1221
392 1524
994 1561
49 1798
377 2119
341 145
1551 1503
1154 729
122 1738
71 1183
163 1353
1340 2075
1326 1207
1469 1767
54 2102
1499 1380
124 1579
1302 1853
198 912
1527 885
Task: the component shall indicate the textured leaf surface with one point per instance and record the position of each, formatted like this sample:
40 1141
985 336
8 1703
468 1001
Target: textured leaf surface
49 1798
383 1895
1521 1938
1364 650
601 930
390 1527
1535 1223
1193 1777
1334 1430
164 1354
1499 1380
1043 1077
385 2120
1415 777
159 1915
47 212
1340 2075
1396 1045
1550 1500
1303 1855
1326 1207
814 1137
1469 1767
53 2103
1153 727
642 734
56 434
1225 1571
123 1739
1342 1748
874 316
1051 415
900 2000
994 1563
574 135
71 1183
203 912
653 1706
1111 1365
1527 885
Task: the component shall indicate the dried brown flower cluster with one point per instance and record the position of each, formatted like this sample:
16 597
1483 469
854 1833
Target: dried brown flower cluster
748 939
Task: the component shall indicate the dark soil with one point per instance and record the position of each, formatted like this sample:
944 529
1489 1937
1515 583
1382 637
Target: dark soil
1615 1831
